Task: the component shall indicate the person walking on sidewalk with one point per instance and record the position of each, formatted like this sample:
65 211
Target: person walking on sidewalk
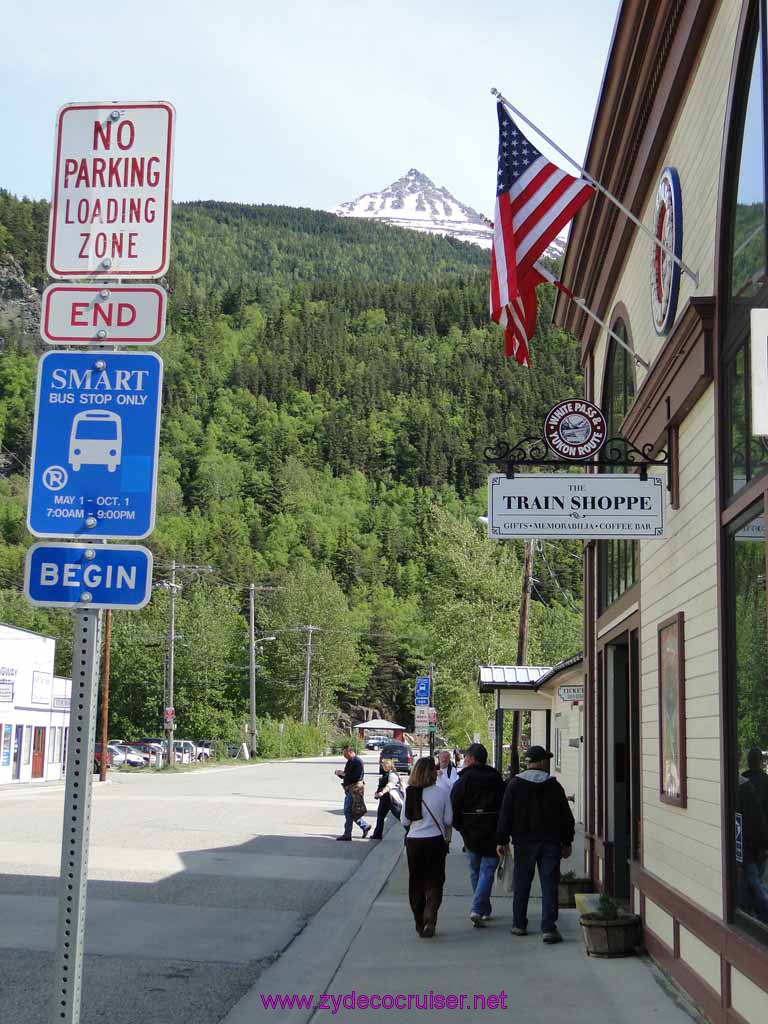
476 800
427 815
536 815
390 795
352 780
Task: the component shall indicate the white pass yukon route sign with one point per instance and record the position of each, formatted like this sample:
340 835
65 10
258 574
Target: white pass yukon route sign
96 314
575 505
111 208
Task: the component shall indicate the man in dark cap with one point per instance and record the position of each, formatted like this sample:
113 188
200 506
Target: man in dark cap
476 799
536 816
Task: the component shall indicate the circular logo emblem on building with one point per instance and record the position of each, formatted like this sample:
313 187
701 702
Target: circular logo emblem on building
665 273
575 429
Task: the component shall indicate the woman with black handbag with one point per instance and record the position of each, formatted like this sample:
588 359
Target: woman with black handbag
427 815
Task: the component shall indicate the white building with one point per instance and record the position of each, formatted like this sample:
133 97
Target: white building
34 708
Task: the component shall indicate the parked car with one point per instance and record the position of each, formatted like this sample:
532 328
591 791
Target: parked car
400 753
150 751
185 751
118 757
97 757
376 742
133 758
204 750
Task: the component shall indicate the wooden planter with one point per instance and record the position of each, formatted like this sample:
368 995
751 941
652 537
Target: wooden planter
568 887
611 938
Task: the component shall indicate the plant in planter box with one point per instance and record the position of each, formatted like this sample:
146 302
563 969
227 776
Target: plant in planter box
610 931
570 884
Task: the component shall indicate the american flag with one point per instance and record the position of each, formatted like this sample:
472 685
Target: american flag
534 202
519 318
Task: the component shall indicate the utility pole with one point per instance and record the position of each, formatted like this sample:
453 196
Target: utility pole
522 645
170 722
252 666
105 697
307 664
431 704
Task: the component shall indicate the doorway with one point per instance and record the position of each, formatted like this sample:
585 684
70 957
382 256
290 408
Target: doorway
17 747
623 759
38 752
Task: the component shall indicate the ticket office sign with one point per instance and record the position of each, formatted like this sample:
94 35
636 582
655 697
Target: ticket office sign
577 506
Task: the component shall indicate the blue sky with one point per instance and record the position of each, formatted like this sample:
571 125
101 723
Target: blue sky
307 104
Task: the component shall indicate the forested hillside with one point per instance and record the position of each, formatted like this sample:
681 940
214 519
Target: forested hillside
330 386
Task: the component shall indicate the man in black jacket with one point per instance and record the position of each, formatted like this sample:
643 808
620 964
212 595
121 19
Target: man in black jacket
536 815
476 799
350 776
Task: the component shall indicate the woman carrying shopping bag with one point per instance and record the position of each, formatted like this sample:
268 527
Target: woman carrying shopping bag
390 795
428 816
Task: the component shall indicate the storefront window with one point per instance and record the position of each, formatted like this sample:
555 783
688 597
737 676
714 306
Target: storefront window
749 628
745 287
618 558
747 282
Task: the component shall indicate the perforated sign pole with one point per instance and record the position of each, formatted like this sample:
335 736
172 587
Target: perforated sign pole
73 879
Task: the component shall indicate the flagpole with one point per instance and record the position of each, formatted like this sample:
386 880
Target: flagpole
600 188
612 334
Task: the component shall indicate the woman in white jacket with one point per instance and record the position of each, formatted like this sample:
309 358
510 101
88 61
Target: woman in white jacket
428 816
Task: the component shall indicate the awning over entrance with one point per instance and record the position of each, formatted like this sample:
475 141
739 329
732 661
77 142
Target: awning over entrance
515 686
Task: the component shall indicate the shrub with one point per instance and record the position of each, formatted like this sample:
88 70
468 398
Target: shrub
298 740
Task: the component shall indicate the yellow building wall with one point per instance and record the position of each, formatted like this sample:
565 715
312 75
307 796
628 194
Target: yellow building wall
682 846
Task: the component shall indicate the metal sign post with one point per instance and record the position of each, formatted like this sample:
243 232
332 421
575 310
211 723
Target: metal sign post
73 883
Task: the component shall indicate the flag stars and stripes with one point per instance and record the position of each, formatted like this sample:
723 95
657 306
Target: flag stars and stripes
534 202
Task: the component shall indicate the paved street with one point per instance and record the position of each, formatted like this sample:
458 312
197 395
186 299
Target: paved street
197 881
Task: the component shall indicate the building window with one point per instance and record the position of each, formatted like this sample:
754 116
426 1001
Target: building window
745 277
743 287
27 744
618 558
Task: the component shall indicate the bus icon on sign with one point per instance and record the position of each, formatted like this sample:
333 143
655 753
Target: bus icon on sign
96 439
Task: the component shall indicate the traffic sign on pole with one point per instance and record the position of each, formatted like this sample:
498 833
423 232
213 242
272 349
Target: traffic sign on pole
94 451
100 576
74 314
111 207
422 686
421 701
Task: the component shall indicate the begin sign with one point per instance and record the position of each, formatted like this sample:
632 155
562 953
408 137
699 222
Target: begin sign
111 208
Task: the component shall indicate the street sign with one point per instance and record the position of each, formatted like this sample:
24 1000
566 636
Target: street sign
94 450
169 715
575 505
111 209
421 718
75 314
432 713
571 693
99 576
422 686
421 701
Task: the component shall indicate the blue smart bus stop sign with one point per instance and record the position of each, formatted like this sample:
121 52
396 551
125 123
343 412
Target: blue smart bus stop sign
94 452
90 576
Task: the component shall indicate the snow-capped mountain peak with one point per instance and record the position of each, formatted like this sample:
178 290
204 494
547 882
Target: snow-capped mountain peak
416 202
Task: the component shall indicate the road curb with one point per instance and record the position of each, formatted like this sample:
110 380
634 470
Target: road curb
310 962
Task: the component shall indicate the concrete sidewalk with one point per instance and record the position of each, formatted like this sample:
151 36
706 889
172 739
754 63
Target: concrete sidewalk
367 929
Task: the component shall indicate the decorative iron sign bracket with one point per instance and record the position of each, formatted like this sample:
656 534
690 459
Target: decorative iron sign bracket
534 451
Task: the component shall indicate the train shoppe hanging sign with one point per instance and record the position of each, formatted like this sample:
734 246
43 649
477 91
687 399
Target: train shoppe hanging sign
575 505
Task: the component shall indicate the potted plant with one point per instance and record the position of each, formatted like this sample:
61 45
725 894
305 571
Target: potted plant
570 884
610 930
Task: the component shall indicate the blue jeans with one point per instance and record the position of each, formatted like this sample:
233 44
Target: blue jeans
363 824
481 872
756 895
529 856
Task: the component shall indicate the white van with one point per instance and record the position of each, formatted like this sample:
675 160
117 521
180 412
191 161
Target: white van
96 439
